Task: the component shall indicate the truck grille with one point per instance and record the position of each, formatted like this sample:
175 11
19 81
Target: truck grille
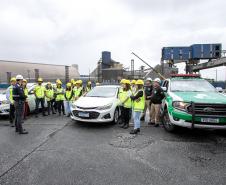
208 109
92 114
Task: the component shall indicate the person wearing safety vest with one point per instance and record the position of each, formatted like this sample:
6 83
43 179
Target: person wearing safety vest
120 97
39 92
26 106
126 103
79 89
138 105
49 95
88 86
60 98
69 95
9 97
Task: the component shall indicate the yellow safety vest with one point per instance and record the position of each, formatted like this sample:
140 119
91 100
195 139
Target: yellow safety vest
39 91
124 96
68 95
49 94
11 94
59 94
78 91
138 106
88 89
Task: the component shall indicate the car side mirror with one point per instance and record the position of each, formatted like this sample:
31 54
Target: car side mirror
219 89
164 89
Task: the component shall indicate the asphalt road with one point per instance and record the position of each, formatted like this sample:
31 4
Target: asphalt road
58 151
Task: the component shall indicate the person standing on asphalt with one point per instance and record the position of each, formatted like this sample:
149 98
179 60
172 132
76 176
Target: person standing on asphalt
156 100
138 105
9 97
60 98
79 89
147 91
49 95
68 96
88 86
126 103
19 98
39 92
26 106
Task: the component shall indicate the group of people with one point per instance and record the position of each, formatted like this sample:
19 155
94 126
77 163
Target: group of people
135 98
58 99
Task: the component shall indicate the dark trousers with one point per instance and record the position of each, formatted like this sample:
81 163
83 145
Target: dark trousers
38 101
50 106
60 106
19 108
126 114
11 113
26 109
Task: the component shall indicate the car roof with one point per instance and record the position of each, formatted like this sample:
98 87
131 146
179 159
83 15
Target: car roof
105 86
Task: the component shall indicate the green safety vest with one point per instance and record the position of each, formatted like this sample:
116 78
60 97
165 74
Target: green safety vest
138 106
39 91
123 97
26 91
49 94
88 89
77 92
59 94
68 95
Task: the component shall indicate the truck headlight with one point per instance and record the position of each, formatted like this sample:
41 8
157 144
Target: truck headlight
181 105
105 107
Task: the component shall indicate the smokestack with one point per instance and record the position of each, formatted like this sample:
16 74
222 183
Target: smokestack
9 74
66 74
36 74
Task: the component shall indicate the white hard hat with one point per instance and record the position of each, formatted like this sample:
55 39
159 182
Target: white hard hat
149 79
19 77
157 80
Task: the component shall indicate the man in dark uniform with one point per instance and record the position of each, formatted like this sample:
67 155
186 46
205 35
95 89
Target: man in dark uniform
19 98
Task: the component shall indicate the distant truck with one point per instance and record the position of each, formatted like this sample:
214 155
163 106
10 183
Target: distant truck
192 102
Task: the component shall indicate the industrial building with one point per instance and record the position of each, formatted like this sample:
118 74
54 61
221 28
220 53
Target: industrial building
31 71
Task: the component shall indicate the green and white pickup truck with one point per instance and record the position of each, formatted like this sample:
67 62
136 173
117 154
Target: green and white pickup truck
192 102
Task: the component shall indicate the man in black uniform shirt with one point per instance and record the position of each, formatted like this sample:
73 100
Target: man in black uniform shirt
19 97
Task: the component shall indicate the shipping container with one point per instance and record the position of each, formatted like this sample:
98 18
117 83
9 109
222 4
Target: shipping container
206 51
176 53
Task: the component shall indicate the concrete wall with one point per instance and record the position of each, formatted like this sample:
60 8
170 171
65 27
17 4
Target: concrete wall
48 72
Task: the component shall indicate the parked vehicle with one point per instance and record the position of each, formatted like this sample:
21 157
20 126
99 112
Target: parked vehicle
98 105
192 102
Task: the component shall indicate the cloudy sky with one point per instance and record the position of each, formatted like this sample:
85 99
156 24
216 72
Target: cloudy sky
72 31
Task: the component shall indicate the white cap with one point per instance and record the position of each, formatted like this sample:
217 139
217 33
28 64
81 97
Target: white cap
19 77
149 79
157 80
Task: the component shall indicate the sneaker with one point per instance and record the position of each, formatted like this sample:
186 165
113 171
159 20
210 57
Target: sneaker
156 125
134 131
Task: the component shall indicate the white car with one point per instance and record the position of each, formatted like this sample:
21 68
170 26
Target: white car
4 103
98 105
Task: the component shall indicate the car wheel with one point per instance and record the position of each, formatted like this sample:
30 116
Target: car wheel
116 116
168 126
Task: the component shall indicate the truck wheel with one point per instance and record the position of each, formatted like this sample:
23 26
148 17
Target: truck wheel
168 126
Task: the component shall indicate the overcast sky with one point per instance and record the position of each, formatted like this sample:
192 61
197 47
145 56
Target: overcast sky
72 31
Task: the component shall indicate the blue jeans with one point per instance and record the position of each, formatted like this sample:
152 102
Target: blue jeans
136 117
67 105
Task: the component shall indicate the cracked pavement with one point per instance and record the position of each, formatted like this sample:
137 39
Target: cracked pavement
59 151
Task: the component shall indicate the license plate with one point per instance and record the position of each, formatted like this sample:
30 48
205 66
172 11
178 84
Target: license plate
82 114
209 120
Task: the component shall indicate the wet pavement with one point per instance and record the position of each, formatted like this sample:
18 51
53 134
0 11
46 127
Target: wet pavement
59 151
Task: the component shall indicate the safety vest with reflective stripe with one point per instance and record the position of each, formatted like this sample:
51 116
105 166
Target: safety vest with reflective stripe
78 91
49 94
39 91
139 104
124 95
11 94
68 95
59 94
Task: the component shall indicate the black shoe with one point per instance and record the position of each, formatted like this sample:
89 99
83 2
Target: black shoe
151 123
36 116
64 114
156 125
12 125
138 130
142 118
16 130
126 126
23 132
44 115
48 113
54 113
134 131
122 125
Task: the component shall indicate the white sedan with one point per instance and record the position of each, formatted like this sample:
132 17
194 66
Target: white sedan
98 105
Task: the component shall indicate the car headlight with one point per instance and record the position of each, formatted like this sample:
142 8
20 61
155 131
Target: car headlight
105 107
73 106
181 105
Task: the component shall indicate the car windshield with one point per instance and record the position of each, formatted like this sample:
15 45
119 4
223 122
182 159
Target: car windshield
105 92
191 86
